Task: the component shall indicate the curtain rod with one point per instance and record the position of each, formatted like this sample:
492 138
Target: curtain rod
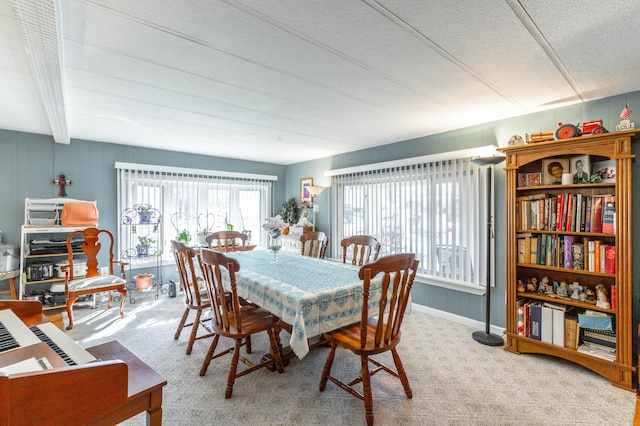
187 171
483 151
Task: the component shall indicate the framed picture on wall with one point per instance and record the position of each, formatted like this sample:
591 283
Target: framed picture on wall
305 195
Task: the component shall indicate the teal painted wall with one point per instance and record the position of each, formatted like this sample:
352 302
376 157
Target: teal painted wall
498 133
29 162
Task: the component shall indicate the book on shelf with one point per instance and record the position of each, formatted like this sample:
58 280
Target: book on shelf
610 259
535 313
571 334
568 251
591 256
597 351
595 319
596 213
596 255
520 316
578 216
549 255
599 337
614 297
587 214
609 215
570 210
534 250
578 256
546 324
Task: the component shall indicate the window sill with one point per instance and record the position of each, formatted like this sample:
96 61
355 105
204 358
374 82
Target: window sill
451 285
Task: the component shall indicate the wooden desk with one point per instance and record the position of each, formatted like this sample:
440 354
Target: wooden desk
144 386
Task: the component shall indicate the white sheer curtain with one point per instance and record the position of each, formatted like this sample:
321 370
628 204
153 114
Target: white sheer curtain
194 201
437 210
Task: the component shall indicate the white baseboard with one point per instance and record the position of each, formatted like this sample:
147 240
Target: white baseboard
458 319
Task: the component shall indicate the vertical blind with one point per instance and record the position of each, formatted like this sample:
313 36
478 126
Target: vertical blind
193 202
437 210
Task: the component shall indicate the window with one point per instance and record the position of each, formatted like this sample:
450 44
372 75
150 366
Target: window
193 201
436 208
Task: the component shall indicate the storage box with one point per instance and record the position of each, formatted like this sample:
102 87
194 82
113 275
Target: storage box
79 268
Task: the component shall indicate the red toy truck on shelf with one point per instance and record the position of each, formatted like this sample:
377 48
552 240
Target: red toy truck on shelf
566 131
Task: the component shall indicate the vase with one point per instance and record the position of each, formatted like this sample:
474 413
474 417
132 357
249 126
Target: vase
275 244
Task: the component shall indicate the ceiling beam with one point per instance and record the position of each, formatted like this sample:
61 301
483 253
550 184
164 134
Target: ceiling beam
40 24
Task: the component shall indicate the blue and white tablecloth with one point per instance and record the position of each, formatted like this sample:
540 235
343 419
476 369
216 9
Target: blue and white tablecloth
315 296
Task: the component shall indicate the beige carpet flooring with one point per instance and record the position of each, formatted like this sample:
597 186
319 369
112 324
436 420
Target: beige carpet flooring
455 380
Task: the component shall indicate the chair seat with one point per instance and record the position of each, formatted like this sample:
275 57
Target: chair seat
254 320
95 282
349 338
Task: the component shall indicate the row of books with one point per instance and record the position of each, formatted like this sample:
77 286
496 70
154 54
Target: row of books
559 324
567 212
567 251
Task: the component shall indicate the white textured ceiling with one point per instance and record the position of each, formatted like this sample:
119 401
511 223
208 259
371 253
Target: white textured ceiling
289 81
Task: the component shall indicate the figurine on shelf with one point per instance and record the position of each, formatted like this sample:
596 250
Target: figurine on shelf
576 290
588 296
602 299
532 285
304 219
562 290
521 287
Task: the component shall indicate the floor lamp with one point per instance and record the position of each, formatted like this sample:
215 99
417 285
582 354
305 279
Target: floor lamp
314 191
485 337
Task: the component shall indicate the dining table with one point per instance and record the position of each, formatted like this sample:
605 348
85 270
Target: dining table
310 295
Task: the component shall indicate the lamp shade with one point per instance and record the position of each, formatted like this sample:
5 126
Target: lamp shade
315 190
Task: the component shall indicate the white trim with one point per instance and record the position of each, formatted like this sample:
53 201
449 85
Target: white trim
483 151
478 290
479 325
188 171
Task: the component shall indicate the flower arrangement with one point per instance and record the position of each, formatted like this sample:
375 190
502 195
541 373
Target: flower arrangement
274 226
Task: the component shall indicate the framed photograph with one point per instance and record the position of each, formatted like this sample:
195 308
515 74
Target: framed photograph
552 170
534 179
305 195
580 168
522 179
606 170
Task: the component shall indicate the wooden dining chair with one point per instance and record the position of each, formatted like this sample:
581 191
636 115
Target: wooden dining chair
314 244
234 320
225 241
378 330
360 249
92 282
195 300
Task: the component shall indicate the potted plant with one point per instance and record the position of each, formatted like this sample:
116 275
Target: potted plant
143 245
184 236
289 212
143 281
144 212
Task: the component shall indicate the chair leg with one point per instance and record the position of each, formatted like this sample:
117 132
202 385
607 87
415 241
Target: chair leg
194 332
70 301
247 345
231 378
182 323
123 300
110 304
366 385
401 373
327 368
209 356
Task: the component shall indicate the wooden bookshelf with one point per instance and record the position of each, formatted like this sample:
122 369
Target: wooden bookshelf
529 158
